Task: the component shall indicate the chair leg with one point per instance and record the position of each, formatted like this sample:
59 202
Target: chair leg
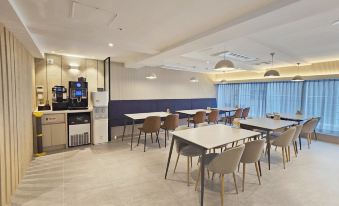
283 155
295 148
315 135
165 137
157 133
243 177
222 189
198 179
289 153
145 143
139 138
257 170
308 141
235 183
191 162
176 163
188 171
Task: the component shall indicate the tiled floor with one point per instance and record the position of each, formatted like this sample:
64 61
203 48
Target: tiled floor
111 174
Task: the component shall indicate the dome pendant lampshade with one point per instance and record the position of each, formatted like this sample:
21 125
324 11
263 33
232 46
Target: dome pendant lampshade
272 72
223 81
297 78
224 64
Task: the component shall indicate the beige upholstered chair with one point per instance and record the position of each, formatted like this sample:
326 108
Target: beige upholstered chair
199 117
237 114
213 117
295 138
245 113
186 150
225 163
252 154
315 134
308 130
284 141
171 122
151 125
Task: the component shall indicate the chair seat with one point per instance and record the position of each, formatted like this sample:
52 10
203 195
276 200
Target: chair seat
163 127
190 150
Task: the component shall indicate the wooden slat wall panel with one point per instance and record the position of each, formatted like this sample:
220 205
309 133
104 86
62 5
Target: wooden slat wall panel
16 106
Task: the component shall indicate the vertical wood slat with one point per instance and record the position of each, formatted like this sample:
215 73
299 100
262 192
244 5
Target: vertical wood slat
2 127
16 89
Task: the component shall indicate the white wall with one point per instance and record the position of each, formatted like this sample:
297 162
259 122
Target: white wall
131 84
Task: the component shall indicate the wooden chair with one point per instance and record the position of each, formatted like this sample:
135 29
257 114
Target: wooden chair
213 117
245 113
199 117
252 154
237 114
171 122
295 138
151 125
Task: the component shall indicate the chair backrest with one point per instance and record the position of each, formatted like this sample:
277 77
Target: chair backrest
204 124
227 162
298 129
245 113
171 122
253 151
213 116
285 138
318 120
179 144
152 124
309 126
199 117
238 113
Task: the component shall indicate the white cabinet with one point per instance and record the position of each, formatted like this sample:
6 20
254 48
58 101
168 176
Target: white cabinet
54 131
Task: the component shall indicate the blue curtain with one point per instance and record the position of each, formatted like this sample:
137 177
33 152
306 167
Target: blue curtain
321 98
313 98
284 97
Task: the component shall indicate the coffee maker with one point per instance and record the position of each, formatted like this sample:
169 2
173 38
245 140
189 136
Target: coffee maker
59 100
78 94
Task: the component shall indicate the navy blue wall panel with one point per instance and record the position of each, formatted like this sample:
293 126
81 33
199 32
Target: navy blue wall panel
120 107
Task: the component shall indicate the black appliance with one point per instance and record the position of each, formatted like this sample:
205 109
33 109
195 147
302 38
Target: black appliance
59 100
79 129
78 95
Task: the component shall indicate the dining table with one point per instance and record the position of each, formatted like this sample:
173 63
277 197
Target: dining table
208 137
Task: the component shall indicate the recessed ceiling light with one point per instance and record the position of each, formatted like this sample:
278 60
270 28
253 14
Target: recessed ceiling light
110 44
336 22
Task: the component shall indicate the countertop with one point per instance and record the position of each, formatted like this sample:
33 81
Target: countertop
90 109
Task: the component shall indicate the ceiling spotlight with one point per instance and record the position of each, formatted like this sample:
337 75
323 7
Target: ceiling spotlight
194 80
151 76
110 44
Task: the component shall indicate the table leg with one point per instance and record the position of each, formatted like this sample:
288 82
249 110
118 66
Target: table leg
202 169
188 120
169 156
123 134
268 149
299 142
132 133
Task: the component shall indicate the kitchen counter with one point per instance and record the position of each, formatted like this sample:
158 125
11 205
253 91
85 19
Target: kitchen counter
90 109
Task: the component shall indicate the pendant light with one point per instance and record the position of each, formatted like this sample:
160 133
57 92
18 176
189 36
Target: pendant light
223 81
297 78
272 72
224 64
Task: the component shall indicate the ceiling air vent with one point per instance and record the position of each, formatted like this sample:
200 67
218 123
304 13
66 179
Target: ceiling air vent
235 56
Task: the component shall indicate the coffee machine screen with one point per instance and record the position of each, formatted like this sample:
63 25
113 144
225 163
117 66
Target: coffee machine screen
78 92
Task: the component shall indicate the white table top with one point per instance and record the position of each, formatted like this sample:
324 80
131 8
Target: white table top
193 111
296 117
267 123
213 136
226 109
138 116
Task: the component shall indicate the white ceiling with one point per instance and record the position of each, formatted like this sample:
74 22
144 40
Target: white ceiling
184 34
